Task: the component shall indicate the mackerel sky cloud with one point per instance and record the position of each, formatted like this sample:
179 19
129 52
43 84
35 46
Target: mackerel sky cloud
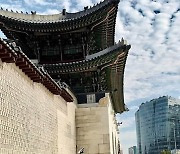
153 65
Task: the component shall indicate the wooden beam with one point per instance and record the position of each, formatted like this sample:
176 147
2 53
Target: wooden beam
5 55
21 63
8 60
25 67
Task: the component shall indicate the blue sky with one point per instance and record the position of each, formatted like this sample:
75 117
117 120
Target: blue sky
153 64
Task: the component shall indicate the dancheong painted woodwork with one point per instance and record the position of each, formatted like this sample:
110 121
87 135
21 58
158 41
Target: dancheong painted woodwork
77 49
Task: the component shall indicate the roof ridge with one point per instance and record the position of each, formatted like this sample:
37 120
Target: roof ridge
53 17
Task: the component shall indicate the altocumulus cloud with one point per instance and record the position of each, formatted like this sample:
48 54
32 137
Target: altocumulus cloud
153 66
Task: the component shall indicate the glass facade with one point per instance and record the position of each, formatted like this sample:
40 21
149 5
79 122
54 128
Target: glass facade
158 125
132 150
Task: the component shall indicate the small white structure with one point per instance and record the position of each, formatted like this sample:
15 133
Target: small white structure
175 151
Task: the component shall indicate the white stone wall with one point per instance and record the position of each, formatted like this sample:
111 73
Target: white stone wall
96 128
113 129
32 119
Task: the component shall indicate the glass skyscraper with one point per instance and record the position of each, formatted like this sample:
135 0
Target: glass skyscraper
132 150
158 125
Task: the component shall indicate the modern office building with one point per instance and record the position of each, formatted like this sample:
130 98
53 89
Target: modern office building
158 125
132 150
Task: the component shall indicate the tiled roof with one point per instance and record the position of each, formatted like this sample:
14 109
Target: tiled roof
36 18
10 53
104 57
105 10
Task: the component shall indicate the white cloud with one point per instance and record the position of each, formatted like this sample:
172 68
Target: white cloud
66 4
82 3
51 11
14 7
133 108
38 2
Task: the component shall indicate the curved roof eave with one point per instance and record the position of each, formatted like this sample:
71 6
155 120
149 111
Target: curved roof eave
117 85
90 59
61 17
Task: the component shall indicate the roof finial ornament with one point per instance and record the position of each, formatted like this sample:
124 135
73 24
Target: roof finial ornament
86 7
33 12
122 41
64 12
41 68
